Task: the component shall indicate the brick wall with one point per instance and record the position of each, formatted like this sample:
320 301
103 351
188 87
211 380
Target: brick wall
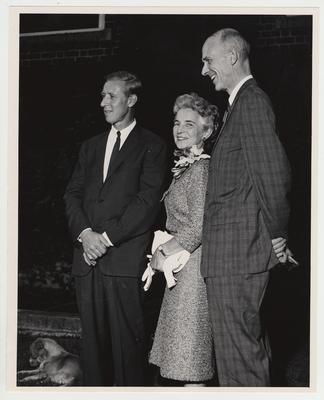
72 47
283 31
272 32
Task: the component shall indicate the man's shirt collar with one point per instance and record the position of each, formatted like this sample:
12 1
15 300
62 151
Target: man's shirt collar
124 132
237 88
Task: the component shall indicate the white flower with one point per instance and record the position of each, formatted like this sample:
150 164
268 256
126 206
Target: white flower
184 161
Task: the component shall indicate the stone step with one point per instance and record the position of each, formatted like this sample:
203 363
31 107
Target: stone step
48 323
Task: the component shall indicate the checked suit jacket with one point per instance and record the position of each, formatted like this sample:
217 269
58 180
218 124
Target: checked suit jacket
249 179
125 206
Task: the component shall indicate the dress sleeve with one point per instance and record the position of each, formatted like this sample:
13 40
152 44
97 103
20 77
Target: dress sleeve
189 236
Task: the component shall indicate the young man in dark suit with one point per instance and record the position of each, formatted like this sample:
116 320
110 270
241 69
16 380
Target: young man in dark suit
112 201
246 213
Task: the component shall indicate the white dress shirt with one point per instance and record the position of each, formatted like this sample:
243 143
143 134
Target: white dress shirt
237 88
124 133
111 142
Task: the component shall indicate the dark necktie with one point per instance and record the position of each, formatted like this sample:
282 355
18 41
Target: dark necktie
226 112
115 151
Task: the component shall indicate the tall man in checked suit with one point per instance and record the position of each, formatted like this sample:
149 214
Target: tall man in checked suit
246 213
112 201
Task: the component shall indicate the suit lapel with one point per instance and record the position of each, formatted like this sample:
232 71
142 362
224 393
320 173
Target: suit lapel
242 88
128 147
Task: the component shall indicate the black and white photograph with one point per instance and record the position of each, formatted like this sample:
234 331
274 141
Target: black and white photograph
164 199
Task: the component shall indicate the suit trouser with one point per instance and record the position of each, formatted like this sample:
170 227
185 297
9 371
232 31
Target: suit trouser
113 334
241 349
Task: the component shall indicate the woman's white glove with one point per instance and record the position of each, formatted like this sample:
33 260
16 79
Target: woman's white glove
172 264
147 277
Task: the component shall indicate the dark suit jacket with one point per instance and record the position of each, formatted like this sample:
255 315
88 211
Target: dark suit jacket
125 206
249 179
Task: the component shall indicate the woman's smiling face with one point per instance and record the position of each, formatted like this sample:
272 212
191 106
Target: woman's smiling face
188 128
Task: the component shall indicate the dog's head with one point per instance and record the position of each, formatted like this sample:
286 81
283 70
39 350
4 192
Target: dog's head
43 349
38 353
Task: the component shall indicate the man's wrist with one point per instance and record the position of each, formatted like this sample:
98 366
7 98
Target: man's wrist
104 234
81 234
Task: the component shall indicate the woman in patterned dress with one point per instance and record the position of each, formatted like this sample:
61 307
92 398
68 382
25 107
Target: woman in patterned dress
182 346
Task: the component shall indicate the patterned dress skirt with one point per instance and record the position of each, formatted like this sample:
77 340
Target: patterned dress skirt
182 346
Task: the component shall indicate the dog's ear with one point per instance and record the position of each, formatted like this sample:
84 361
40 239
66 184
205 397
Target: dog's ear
39 345
36 347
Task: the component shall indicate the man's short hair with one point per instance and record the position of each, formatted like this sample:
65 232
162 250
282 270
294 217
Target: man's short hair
133 84
232 38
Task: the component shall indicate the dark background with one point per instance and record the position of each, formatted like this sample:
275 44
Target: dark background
35 23
61 77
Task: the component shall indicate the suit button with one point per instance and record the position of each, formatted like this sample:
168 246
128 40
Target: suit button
99 200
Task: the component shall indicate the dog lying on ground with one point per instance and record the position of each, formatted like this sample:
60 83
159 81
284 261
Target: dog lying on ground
55 365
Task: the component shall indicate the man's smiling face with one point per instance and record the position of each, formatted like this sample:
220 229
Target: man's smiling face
216 64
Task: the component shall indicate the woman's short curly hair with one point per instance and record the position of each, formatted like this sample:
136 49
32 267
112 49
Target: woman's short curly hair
207 111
